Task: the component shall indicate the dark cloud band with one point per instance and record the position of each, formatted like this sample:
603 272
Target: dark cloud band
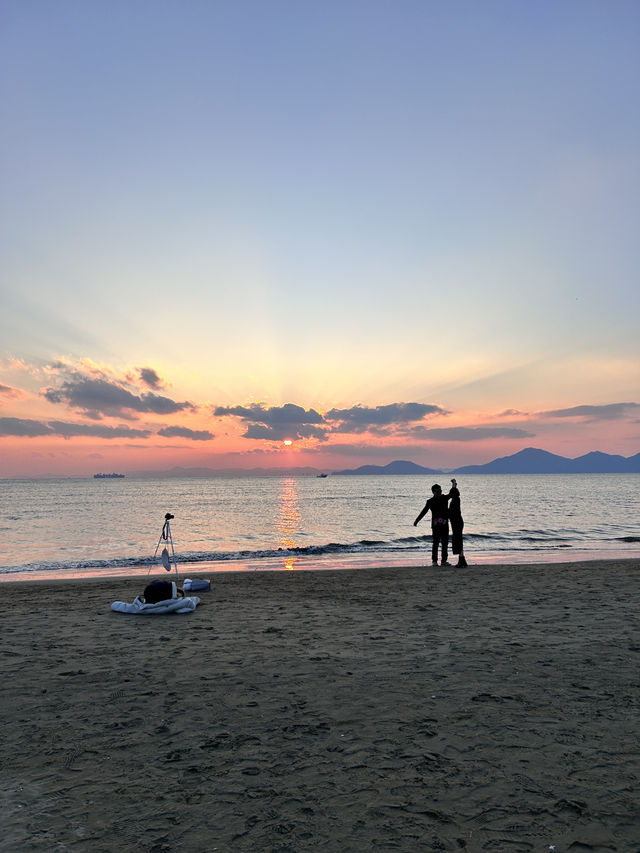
185 432
26 428
394 413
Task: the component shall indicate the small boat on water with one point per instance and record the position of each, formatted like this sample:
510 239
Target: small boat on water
321 475
113 476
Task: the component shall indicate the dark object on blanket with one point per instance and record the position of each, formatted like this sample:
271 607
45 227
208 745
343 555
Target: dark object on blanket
159 591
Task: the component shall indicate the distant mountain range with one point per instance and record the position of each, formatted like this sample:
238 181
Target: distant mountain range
531 460
534 461
398 467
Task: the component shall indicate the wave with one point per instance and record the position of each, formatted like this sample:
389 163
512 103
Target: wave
515 541
193 558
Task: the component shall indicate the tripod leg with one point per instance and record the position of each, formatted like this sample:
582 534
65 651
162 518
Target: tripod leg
173 552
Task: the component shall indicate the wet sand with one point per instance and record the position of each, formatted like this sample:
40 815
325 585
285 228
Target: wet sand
417 709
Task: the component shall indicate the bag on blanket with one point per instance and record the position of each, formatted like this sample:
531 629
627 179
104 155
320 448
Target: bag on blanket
158 591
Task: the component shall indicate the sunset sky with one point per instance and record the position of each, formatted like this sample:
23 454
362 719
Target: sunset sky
378 230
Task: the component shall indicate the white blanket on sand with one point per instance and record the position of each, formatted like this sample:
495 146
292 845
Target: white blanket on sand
171 605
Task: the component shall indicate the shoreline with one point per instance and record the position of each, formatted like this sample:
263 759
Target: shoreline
359 562
385 709
137 581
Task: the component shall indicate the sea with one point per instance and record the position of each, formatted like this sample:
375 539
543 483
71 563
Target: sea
86 527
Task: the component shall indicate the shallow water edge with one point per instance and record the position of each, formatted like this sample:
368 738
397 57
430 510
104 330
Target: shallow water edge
360 562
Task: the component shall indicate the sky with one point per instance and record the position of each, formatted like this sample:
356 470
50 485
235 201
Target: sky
372 230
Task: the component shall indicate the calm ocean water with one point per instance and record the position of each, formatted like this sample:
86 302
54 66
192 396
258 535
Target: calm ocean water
87 527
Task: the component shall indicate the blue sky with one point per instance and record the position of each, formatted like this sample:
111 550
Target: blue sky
327 205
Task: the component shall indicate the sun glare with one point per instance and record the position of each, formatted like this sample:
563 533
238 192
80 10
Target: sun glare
287 442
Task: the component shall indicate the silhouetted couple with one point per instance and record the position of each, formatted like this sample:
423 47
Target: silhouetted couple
445 509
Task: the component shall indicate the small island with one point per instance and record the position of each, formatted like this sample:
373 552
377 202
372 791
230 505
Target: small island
113 476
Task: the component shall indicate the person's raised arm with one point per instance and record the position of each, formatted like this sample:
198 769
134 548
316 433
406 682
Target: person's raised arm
453 491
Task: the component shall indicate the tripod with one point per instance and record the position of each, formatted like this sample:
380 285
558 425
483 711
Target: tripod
165 536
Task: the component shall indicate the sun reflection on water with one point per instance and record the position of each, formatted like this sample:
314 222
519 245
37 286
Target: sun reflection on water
289 518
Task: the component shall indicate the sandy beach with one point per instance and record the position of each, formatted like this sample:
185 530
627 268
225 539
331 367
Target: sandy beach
413 709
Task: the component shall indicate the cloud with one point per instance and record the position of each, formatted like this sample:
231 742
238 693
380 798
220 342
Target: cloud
97 397
68 430
610 412
471 433
185 432
31 429
23 427
277 422
511 413
359 418
8 391
287 414
15 364
279 432
150 377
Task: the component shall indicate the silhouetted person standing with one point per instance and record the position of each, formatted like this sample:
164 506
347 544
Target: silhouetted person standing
439 524
457 524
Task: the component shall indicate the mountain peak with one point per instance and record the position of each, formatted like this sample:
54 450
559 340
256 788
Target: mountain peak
533 460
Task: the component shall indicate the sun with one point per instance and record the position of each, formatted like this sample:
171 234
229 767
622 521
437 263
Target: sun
287 442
